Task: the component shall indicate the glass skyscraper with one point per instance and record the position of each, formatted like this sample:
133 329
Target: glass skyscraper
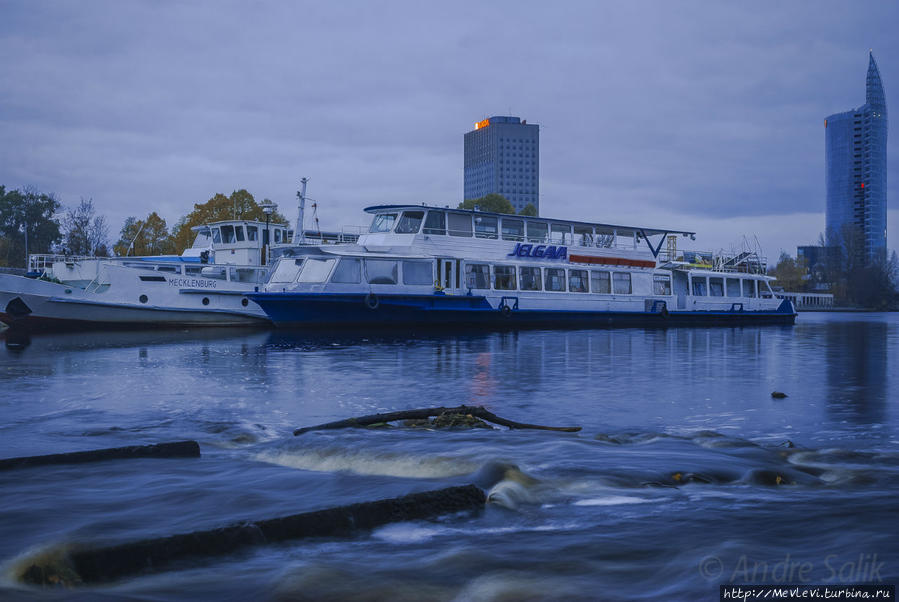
502 155
856 172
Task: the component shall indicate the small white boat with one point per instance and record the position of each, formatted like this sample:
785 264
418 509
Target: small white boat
206 285
429 266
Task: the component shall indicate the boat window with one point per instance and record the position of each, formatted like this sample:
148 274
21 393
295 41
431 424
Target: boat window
661 284
700 286
560 232
577 281
621 283
477 275
167 268
244 275
381 271
201 241
504 278
513 229
286 270
485 226
418 272
554 279
765 290
600 282
348 271
252 233
216 237
733 287
530 278
410 222
316 270
435 223
459 224
716 287
238 230
277 236
537 231
749 288
212 271
192 270
383 222
227 234
583 236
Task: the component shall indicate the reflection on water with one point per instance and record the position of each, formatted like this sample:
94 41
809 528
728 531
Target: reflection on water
857 360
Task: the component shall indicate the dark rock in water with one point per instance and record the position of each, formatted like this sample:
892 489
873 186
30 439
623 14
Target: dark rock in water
778 395
763 476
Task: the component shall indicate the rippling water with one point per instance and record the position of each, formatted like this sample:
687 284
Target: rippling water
670 488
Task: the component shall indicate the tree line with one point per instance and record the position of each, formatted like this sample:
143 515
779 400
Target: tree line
32 222
844 269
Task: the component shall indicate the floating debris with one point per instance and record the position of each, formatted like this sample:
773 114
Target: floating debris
778 395
468 414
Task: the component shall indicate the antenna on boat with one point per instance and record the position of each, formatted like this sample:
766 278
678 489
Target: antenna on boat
131 246
299 234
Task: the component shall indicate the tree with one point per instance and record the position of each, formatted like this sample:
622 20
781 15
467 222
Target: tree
144 237
83 232
493 202
530 210
240 205
26 215
790 273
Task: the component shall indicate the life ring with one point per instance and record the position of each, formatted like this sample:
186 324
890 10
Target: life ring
506 310
371 301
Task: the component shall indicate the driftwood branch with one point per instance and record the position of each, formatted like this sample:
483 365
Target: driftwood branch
85 565
424 413
178 449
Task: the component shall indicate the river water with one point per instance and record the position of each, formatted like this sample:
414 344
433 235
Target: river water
687 473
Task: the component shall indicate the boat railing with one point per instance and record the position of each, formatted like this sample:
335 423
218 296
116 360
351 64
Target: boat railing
41 262
745 262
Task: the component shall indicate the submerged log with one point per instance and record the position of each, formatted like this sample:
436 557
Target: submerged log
178 449
92 565
424 413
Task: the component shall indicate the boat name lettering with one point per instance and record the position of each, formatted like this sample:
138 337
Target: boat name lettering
192 283
544 251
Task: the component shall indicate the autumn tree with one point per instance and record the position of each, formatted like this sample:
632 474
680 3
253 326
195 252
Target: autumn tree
240 205
83 232
493 202
26 215
144 237
529 210
791 273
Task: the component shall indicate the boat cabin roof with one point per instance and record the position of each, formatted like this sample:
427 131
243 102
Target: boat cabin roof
620 230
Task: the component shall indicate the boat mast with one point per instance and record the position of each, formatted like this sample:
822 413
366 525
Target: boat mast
299 234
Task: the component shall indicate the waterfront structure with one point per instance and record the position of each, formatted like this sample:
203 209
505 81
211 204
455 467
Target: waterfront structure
856 173
502 155
432 266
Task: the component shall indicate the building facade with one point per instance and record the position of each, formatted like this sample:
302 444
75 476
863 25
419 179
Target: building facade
856 173
502 155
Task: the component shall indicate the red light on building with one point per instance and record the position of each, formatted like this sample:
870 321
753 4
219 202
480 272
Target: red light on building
863 184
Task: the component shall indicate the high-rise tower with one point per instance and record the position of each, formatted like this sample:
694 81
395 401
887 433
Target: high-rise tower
502 155
856 173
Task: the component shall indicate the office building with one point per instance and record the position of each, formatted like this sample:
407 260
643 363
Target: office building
856 173
502 155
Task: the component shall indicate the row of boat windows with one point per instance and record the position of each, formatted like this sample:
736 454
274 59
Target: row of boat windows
215 272
489 226
240 233
477 275
713 286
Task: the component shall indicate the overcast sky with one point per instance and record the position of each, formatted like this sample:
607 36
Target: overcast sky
705 116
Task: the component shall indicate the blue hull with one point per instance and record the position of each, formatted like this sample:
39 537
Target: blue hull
310 310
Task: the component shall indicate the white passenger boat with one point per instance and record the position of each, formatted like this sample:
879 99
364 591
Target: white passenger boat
421 265
206 285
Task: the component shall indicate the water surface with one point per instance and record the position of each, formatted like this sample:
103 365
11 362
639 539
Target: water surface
669 489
